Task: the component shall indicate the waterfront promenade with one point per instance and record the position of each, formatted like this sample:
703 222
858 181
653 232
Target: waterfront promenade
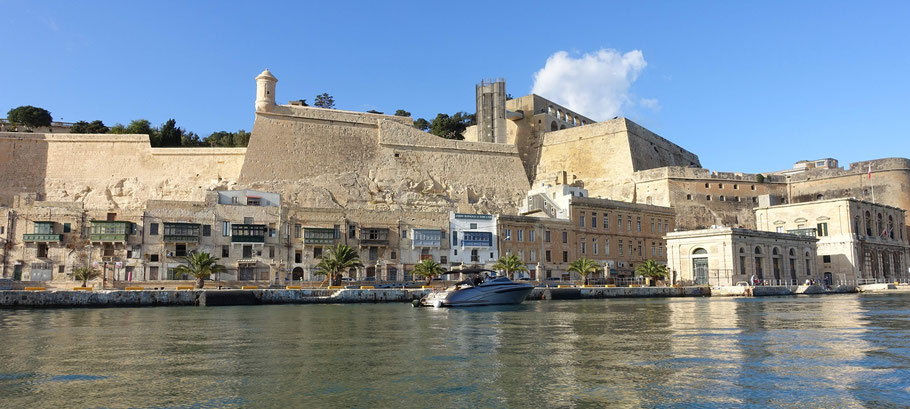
215 297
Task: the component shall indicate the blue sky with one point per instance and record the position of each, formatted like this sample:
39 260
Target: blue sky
747 86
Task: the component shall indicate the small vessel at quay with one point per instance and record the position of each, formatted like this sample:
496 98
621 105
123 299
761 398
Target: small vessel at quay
482 287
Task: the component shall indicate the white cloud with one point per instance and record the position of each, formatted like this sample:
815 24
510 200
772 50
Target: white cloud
594 84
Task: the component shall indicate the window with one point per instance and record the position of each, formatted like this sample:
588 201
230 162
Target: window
707 185
565 237
317 252
180 250
473 226
780 229
271 251
582 241
508 235
606 247
722 198
111 217
688 197
153 229
565 256
753 187
206 230
708 198
582 220
298 231
454 237
546 236
826 259
720 185
666 226
374 253
154 257
531 235
821 229
742 257
594 245
659 229
652 225
653 250
225 229
42 250
629 224
247 252
606 221
618 222
594 220
638 223
620 248
521 235
547 256
352 231
533 255
639 249
66 228
475 256
443 259
298 256
394 256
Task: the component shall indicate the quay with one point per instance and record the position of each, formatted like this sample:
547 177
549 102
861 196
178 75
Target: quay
214 297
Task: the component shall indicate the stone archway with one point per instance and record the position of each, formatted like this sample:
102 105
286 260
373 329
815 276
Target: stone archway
297 274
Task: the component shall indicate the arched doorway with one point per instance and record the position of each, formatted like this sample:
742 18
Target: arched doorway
793 267
297 274
759 273
775 265
829 279
700 266
392 273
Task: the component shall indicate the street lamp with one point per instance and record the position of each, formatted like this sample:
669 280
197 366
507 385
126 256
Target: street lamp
377 274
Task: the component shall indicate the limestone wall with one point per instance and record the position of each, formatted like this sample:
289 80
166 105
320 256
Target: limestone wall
605 155
110 171
323 158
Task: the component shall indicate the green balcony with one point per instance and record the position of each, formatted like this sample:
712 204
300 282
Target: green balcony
108 237
248 233
318 236
176 238
42 238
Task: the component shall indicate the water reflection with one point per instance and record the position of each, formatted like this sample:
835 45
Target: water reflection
831 351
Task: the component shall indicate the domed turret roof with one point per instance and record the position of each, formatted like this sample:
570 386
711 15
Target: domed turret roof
266 75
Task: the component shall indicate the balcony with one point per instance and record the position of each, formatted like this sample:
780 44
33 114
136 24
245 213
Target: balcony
374 236
803 232
426 238
477 239
426 257
318 236
110 231
42 238
181 232
248 233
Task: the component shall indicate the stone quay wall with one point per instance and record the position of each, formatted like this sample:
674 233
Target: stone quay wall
151 298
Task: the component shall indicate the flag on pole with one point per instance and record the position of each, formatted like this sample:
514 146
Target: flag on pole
870 171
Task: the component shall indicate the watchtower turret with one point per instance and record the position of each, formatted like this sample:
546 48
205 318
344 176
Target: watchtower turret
265 90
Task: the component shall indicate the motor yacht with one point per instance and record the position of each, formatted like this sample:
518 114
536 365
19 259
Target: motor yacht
481 287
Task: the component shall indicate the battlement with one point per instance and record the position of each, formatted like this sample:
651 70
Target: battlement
681 172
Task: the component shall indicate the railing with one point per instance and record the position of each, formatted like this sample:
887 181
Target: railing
168 238
109 237
42 238
810 232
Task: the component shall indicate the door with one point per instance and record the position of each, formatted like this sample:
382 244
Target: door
700 270
17 272
829 279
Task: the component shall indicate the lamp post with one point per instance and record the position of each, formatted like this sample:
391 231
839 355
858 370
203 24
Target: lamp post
377 274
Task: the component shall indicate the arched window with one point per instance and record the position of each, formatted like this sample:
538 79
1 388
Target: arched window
742 261
868 223
890 227
774 251
553 126
808 265
819 197
700 266
880 232
757 250
699 251
759 274
856 229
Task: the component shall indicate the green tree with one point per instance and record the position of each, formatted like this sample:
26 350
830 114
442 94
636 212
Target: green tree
241 139
510 264
584 267
402 112
200 266
31 117
337 260
95 126
84 274
325 101
224 139
451 127
170 134
422 124
191 139
139 127
428 269
760 178
652 270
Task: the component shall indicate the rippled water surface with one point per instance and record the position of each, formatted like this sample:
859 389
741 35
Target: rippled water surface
824 351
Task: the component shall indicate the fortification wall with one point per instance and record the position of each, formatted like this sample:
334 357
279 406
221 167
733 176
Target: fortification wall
890 181
324 158
110 171
606 155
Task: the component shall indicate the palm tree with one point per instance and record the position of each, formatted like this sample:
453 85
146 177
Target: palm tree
428 269
510 263
652 270
200 266
584 267
85 274
337 259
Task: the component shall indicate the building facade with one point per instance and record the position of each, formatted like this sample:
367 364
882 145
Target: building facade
731 256
858 240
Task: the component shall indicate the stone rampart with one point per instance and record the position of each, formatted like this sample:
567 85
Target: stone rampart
323 158
110 171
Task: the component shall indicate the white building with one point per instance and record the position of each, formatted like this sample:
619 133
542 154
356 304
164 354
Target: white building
473 239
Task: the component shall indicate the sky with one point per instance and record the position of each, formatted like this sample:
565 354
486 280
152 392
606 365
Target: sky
748 86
